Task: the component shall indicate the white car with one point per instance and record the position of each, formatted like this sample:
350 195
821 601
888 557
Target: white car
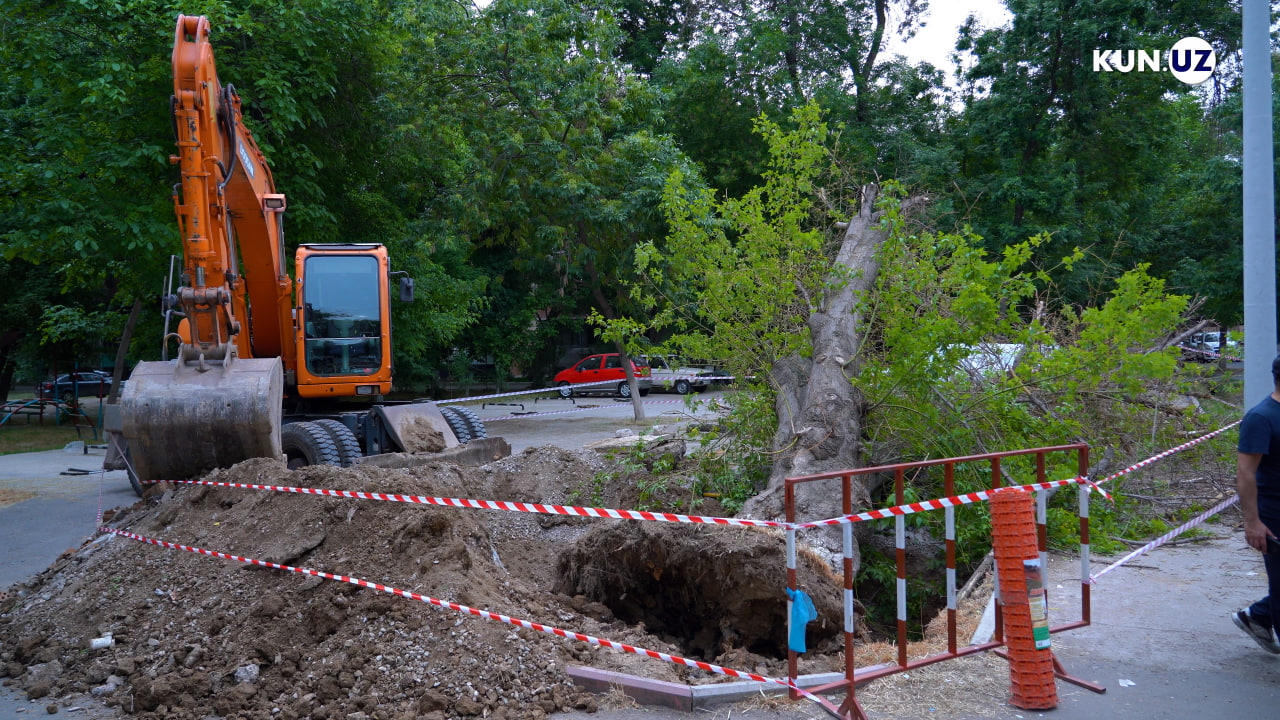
1207 346
669 374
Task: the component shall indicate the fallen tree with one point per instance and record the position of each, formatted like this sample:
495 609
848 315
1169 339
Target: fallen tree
820 410
860 343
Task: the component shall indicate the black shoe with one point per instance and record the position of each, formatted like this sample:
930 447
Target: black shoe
1261 635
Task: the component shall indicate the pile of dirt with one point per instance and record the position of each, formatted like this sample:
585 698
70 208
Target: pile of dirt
196 636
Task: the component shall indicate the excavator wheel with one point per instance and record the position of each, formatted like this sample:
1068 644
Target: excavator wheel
457 424
306 443
475 426
345 441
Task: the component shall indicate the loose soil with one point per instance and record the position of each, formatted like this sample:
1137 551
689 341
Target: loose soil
196 637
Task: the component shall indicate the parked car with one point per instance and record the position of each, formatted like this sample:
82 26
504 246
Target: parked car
86 383
668 373
1207 346
598 368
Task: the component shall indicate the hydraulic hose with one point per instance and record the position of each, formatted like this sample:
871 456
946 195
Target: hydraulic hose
228 91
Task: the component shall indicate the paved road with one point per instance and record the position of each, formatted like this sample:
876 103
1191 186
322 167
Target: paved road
1161 625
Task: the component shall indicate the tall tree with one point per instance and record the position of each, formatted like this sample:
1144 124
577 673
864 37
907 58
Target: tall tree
83 115
745 59
1047 143
563 171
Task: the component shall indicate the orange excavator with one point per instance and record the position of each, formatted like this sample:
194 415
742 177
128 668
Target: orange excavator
252 341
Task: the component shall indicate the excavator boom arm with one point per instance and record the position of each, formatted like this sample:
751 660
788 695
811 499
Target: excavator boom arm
229 212
220 401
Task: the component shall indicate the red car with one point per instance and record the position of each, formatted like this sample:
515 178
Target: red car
598 368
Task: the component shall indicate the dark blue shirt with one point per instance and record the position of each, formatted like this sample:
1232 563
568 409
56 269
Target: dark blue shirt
1260 434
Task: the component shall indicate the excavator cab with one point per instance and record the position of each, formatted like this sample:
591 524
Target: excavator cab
344 336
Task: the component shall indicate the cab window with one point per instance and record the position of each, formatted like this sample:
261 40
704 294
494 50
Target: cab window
342 318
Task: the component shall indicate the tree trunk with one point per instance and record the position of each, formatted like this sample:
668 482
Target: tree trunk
8 344
117 373
637 402
606 309
820 414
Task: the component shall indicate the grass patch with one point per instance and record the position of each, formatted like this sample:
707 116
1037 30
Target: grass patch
21 438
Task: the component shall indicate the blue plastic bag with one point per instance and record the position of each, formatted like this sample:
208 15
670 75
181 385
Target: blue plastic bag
802 613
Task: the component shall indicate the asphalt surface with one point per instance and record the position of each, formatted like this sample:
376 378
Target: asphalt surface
1161 641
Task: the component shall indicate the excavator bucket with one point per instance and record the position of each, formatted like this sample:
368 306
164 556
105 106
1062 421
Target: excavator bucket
181 422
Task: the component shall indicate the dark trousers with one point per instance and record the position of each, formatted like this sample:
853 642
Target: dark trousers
1267 610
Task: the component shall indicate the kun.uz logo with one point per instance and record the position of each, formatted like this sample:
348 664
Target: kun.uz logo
1190 60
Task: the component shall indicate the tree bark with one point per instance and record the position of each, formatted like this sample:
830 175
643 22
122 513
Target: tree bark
117 372
8 344
637 402
606 309
820 414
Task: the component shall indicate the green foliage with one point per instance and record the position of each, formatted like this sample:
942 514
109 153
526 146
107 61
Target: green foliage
514 158
1081 373
83 115
730 62
734 458
60 324
1117 164
737 279
876 586
652 476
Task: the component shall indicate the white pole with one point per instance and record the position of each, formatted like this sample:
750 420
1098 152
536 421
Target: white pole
1259 206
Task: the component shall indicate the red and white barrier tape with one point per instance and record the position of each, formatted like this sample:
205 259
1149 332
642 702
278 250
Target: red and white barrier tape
647 403
1198 520
571 510
576 386
458 607
955 500
940 503
1160 456
617 514
1211 353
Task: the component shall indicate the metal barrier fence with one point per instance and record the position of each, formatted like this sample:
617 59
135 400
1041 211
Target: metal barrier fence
850 708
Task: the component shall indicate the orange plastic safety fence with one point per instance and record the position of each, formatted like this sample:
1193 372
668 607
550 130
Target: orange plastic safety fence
1013 522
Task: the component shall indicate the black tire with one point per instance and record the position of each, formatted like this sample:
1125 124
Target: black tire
682 387
475 426
306 443
624 390
68 396
645 392
344 440
457 424
563 388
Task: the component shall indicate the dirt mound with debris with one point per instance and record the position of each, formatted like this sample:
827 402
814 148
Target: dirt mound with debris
193 636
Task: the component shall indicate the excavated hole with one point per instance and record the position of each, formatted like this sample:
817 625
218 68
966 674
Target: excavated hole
708 591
